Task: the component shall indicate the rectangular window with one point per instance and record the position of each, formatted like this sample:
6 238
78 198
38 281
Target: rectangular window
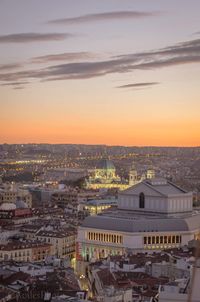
149 240
145 240
161 239
153 240
157 239
165 239
173 239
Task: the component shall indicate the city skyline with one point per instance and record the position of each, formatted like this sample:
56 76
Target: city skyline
114 73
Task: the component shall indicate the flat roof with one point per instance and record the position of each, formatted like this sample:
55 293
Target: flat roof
97 202
143 224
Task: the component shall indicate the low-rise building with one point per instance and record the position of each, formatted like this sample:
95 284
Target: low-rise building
25 251
9 193
97 206
63 198
183 290
10 213
63 241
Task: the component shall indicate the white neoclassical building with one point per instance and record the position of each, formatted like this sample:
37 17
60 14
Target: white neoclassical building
152 215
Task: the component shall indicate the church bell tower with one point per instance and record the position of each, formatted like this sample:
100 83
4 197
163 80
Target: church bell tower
133 177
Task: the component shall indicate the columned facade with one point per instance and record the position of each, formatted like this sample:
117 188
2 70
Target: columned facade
152 215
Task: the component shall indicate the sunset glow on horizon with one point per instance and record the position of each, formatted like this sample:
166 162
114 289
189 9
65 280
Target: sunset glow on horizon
114 73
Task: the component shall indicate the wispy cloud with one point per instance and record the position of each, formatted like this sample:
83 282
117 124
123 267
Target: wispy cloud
139 85
15 83
18 87
196 33
33 37
105 16
7 67
67 56
178 54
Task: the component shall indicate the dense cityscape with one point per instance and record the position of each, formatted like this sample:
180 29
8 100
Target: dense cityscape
64 214
99 151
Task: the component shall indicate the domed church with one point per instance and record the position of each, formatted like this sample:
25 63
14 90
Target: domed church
105 171
105 176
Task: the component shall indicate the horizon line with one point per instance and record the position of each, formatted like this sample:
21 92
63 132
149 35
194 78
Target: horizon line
106 145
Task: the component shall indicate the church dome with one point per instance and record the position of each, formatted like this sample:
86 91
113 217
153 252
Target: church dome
105 164
20 204
8 206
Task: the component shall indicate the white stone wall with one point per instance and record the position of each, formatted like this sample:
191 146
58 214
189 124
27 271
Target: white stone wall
152 204
159 204
182 203
133 241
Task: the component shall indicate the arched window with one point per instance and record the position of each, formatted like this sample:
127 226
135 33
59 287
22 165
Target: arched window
141 201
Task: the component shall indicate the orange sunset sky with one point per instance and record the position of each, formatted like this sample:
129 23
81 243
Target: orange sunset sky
100 72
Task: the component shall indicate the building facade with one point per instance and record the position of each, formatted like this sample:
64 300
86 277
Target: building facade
152 215
62 241
9 193
25 251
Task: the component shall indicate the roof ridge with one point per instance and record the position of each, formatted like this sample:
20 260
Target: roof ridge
174 185
152 187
